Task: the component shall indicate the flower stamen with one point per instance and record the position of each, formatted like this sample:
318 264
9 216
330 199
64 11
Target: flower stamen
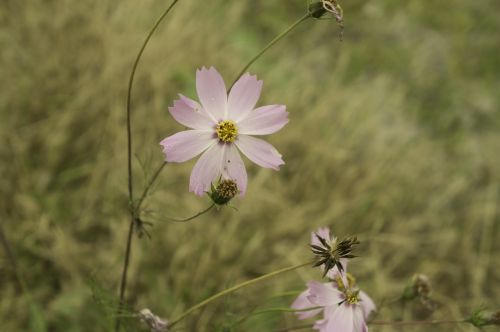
226 131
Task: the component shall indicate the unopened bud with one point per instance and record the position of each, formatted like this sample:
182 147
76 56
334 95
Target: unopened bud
321 8
155 323
481 317
224 192
418 287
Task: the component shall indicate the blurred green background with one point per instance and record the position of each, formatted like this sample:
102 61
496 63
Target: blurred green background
394 136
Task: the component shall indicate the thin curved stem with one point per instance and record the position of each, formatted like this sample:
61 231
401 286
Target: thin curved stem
34 307
193 216
148 186
381 322
271 43
235 288
129 96
270 310
123 283
417 322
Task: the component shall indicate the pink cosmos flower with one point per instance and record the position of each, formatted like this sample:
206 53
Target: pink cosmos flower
345 309
220 126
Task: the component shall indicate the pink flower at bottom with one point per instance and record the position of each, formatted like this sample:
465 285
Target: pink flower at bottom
344 309
220 126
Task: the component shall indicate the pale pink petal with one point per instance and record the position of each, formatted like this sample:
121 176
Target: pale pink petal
367 304
207 169
321 325
359 324
190 114
186 145
264 120
195 105
233 168
323 232
243 96
341 320
301 302
323 294
259 151
212 92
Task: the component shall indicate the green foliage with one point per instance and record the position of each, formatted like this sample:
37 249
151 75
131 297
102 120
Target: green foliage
394 137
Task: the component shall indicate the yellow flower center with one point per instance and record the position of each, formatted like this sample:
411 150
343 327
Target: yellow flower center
352 297
227 131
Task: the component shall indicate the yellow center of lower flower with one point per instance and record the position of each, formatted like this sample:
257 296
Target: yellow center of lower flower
352 297
226 131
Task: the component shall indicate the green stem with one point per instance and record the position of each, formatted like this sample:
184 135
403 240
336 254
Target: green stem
193 216
417 322
235 288
20 278
381 322
148 186
129 96
123 283
271 43
271 310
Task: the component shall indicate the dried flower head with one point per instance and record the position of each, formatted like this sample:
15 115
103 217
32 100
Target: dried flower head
155 323
329 253
224 192
419 288
320 9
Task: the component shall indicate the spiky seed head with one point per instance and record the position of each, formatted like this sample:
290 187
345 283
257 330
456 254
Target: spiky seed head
224 191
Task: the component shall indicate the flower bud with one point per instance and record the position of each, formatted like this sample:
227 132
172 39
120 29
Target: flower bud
155 323
323 7
481 317
418 287
224 192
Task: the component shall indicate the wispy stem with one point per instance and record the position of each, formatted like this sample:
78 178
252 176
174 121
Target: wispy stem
271 43
20 278
123 284
388 322
148 186
235 288
417 322
193 216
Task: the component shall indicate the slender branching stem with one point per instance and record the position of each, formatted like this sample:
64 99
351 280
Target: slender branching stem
129 97
271 43
13 262
271 310
16 269
123 283
388 322
235 288
417 322
148 186
193 216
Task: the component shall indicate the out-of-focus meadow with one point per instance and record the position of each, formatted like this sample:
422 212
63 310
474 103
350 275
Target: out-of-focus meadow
394 136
